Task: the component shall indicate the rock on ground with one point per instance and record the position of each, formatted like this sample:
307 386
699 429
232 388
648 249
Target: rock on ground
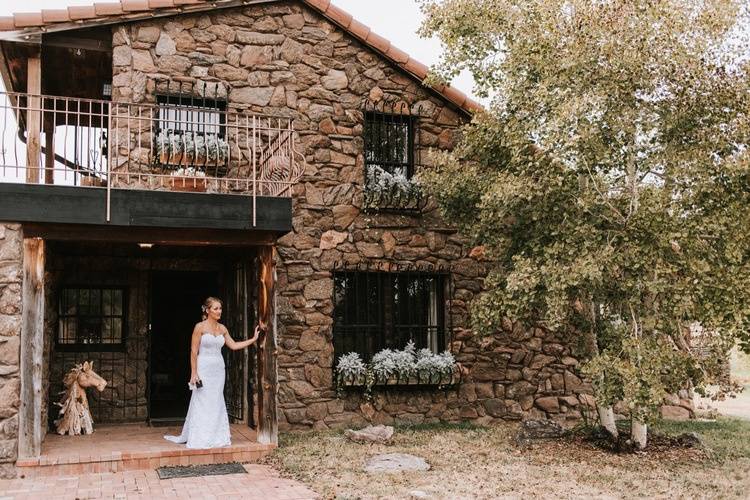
395 462
371 434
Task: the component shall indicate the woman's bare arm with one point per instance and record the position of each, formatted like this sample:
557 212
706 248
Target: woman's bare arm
236 346
195 344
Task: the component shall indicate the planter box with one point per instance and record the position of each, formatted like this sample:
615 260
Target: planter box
187 184
413 381
183 160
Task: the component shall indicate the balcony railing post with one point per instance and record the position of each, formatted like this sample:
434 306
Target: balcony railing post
108 161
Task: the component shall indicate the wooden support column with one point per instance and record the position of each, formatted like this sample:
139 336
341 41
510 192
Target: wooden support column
32 349
33 120
268 424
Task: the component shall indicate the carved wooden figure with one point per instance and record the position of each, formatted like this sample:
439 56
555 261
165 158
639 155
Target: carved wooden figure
75 417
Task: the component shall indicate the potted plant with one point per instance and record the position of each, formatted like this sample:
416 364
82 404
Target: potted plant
188 179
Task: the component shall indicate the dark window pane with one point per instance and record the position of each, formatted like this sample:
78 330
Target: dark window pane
90 316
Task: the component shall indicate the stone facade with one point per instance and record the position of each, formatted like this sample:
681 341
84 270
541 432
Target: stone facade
11 275
287 60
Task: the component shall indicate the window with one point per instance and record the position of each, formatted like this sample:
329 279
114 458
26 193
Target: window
195 115
378 310
389 143
91 316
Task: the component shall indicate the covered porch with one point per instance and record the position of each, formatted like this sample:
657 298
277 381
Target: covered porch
149 273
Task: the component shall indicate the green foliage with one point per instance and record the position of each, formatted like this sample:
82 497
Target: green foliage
608 178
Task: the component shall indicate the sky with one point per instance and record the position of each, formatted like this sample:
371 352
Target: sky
400 29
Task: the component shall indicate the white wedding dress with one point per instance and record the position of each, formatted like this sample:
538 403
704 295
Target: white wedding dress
207 423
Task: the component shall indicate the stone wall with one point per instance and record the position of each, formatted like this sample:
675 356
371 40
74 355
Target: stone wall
11 275
285 59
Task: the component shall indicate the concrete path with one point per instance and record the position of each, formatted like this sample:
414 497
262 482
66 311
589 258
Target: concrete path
261 482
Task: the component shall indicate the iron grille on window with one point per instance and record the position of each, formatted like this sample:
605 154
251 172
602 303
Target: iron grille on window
378 310
389 143
91 316
181 114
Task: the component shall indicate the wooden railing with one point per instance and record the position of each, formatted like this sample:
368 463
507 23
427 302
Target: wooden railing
114 145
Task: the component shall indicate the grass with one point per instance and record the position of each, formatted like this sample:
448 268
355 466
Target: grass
475 462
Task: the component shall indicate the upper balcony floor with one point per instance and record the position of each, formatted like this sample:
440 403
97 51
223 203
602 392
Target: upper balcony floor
89 161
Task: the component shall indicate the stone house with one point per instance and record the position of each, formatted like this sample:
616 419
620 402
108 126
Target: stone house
158 151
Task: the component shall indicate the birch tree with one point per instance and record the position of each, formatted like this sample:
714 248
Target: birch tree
608 180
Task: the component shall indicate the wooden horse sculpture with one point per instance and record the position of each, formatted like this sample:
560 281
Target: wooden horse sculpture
75 417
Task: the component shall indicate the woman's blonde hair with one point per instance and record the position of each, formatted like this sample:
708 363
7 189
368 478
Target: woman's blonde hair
207 305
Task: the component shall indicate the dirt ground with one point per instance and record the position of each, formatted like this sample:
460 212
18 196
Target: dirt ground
470 462
738 406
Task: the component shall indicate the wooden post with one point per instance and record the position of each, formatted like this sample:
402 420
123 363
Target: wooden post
32 349
33 120
49 155
268 425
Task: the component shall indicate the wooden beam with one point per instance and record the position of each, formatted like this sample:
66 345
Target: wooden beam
34 121
268 424
32 349
155 235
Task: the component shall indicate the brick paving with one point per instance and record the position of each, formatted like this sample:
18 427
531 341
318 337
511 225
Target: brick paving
261 482
127 447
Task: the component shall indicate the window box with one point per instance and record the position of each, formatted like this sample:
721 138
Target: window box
427 380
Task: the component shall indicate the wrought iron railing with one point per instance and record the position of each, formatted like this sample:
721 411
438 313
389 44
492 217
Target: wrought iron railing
165 146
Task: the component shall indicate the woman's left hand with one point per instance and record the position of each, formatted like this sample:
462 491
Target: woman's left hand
256 334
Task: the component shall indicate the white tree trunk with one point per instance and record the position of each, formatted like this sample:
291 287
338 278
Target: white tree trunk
639 433
607 419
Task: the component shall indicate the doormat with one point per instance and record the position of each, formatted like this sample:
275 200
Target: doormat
200 470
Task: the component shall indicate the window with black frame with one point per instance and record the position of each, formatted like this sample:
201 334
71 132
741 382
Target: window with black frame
389 144
378 310
191 132
91 317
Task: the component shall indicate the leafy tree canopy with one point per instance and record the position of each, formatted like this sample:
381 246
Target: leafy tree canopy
608 178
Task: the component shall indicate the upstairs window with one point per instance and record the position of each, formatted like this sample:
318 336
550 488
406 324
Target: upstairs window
91 317
378 310
194 115
389 143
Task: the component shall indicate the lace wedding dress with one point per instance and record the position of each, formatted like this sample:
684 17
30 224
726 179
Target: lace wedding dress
207 423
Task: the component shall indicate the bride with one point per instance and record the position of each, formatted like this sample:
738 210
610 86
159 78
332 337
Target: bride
207 423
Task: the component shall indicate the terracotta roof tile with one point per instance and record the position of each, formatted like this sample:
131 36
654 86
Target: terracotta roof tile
416 68
160 4
134 5
321 5
325 7
108 9
7 23
397 54
55 16
338 16
378 42
88 12
359 30
28 19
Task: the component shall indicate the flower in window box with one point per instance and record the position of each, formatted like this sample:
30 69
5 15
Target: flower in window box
190 149
383 188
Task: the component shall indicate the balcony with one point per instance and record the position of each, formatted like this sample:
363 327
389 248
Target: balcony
83 161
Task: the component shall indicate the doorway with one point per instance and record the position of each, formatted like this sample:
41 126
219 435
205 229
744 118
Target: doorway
176 299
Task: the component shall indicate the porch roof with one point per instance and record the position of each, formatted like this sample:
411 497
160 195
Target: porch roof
24 26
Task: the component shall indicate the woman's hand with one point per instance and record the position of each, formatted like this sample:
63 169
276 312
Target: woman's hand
256 333
194 378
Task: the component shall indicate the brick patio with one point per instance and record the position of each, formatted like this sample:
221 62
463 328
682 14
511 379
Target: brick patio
117 448
261 482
